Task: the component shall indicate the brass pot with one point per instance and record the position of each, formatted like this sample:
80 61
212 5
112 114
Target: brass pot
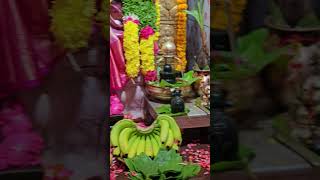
165 94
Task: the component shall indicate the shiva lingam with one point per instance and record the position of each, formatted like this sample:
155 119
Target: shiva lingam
177 103
168 74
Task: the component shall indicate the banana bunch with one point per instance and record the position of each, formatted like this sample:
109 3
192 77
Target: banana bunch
220 18
130 139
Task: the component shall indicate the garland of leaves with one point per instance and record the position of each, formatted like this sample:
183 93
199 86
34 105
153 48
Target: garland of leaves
144 9
72 22
131 45
181 37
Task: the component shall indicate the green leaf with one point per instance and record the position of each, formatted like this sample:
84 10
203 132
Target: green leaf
168 161
166 109
189 78
130 164
190 171
145 165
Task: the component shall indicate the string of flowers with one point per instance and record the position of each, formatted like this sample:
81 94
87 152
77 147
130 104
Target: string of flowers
181 36
131 45
157 4
147 36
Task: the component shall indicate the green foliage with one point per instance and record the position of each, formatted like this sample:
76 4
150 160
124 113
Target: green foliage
198 13
144 9
167 165
250 50
187 80
72 22
166 109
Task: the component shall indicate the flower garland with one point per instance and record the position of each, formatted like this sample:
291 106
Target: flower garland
147 36
181 36
157 4
131 45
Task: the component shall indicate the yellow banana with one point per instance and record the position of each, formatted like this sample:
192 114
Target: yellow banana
133 148
141 145
173 126
116 151
155 146
148 148
131 140
164 131
170 140
124 139
117 128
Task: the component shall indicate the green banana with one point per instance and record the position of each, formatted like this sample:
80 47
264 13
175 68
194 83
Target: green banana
131 140
170 140
164 131
117 128
124 139
157 138
173 126
141 145
155 146
175 147
116 151
133 148
148 148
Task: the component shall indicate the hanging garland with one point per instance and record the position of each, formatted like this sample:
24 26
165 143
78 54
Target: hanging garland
181 36
157 4
131 45
147 37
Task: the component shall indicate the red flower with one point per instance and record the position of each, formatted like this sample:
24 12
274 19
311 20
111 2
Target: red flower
150 76
146 32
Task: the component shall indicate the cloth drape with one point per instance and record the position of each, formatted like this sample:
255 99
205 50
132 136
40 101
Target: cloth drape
25 46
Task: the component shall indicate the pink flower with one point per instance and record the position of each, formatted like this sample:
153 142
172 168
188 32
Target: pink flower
23 149
146 32
116 107
150 76
133 19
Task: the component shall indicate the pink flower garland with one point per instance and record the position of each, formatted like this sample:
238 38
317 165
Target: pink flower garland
20 147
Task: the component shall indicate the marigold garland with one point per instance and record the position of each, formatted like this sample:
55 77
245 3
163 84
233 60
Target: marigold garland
181 35
147 37
131 45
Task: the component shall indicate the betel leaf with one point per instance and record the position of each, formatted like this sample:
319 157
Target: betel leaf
168 161
188 77
166 165
189 171
130 164
144 165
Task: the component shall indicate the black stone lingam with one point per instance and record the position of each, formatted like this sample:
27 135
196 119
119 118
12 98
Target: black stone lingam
177 103
224 134
168 74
